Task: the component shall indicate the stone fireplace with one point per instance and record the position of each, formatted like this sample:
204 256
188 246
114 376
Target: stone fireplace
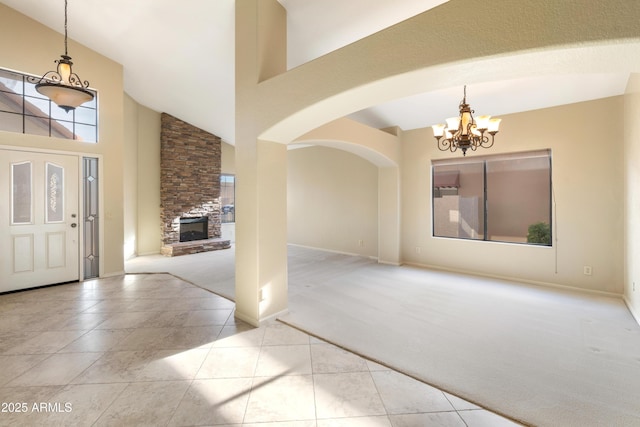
190 208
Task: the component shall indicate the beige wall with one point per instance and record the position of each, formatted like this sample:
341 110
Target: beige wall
142 180
632 195
29 47
587 178
332 201
228 159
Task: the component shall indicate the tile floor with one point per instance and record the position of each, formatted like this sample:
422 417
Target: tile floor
151 349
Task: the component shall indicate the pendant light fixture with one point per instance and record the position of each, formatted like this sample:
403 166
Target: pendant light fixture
465 132
63 86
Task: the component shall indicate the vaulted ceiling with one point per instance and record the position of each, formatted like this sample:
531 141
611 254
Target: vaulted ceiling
178 57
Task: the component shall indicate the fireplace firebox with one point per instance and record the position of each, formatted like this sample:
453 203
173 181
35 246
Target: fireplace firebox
194 229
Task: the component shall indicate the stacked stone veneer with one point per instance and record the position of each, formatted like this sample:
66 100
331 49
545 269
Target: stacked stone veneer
189 185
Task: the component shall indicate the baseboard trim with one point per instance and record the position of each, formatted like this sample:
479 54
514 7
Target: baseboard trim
634 313
333 251
517 279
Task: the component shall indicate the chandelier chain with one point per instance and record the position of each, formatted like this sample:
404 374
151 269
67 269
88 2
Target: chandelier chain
65 29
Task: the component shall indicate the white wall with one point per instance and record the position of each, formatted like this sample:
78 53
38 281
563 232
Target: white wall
632 195
332 201
586 140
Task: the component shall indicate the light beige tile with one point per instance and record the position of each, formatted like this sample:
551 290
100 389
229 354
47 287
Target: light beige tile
148 403
379 421
460 404
442 419
216 317
16 365
286 398
482 418
81 321
374 367
58 369
97 340
284 360
169 338
201 303
13 338
125 320
307 423
167 365
404 395
81 404
24 414
117 366
327 358
214 401
346 395
281 334
46 342
240 336
232 362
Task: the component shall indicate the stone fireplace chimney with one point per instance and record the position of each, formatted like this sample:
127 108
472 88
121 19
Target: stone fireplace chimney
189 185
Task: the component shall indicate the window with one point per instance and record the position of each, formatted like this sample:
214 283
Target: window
503 198
228 197
24 110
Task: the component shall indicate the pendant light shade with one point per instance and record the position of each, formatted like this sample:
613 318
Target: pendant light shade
63 86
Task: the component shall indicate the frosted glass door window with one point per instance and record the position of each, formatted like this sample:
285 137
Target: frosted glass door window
55 193
21 191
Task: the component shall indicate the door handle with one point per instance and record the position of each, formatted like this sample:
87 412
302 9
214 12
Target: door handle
74 225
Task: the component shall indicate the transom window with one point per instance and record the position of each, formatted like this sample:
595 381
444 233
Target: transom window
503 198
24 110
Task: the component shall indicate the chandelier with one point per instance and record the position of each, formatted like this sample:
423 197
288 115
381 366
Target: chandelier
465 132
63 86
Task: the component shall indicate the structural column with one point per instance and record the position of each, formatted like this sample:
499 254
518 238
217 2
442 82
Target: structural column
261 167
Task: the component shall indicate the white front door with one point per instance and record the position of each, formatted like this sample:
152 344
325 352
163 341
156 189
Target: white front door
39 232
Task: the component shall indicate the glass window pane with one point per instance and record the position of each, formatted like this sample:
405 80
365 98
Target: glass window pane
458 212
21 193
36 125
55 193
85 116
519 197
11 122
11 82
228 198
11 102
36 106
30 90
60 129
58 113
86 133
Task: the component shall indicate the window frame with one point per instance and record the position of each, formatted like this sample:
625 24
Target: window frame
484 202
54 122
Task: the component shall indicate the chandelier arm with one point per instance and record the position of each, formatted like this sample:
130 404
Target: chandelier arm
444 144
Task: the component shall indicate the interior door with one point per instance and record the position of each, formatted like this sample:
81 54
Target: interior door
39 231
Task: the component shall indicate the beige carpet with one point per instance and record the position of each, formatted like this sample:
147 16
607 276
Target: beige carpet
541 356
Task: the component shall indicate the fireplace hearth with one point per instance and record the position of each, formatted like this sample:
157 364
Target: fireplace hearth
194 229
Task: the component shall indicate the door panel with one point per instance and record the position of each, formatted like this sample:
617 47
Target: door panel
38 219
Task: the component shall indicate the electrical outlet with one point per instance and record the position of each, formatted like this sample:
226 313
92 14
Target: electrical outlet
418 250
634 286
587 270
360 242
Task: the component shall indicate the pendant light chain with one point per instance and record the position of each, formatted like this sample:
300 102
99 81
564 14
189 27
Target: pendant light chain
65 29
